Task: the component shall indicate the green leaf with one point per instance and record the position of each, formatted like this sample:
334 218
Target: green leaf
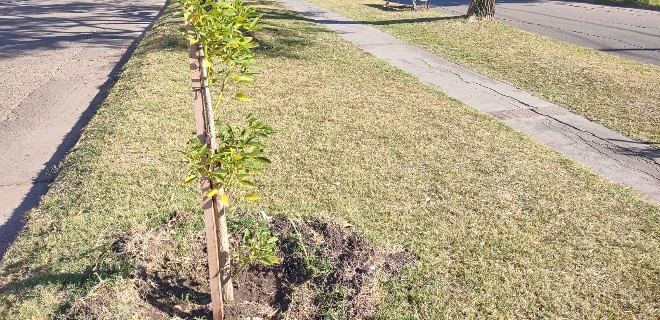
252 197
204 148
269 259
251 149
242 97
246 184
244 79
254 22
188 180
220 172
263 159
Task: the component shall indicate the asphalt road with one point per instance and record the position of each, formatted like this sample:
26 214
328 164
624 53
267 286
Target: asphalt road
628 32
57 62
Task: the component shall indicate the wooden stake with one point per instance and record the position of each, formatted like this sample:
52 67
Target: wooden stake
210 212
223 232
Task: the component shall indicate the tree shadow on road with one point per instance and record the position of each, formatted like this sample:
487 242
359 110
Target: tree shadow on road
26 26
30 26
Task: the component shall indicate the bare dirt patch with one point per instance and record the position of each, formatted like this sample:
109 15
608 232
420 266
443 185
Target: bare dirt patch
334 280
332 277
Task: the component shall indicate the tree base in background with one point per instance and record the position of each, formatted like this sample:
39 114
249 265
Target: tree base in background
483 10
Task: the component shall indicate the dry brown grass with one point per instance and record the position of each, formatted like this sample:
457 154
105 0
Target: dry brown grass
616 92
503 227
641 3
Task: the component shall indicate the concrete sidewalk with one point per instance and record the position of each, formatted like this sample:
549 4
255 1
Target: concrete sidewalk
57 61
607 152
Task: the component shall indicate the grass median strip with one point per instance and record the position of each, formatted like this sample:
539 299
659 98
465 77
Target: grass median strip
641 3
501 225
607 89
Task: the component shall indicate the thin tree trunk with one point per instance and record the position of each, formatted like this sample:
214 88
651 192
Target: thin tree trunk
210 214
481 10
221 227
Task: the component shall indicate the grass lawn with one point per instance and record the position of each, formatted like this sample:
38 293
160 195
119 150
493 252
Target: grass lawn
616 92
502 226
641 3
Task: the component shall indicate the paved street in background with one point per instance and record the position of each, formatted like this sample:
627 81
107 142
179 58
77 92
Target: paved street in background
628 32
56 61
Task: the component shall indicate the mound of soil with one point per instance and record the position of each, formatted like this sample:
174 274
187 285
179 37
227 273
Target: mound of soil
325 272
342 286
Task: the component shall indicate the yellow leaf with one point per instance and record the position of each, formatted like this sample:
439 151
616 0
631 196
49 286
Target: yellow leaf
242 97
252 197
225 199
212 193
188 180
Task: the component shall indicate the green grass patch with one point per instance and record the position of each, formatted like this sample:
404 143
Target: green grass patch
640 3
613 91
503 226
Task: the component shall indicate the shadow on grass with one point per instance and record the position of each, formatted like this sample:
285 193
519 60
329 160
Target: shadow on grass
276 40
397 6
274 14
402 21
166 35
17 288
391 7
101 266
165 289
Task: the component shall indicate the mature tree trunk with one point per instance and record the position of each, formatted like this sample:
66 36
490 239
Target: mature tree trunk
481 10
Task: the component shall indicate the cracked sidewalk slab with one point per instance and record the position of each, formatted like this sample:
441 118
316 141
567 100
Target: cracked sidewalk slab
609 153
